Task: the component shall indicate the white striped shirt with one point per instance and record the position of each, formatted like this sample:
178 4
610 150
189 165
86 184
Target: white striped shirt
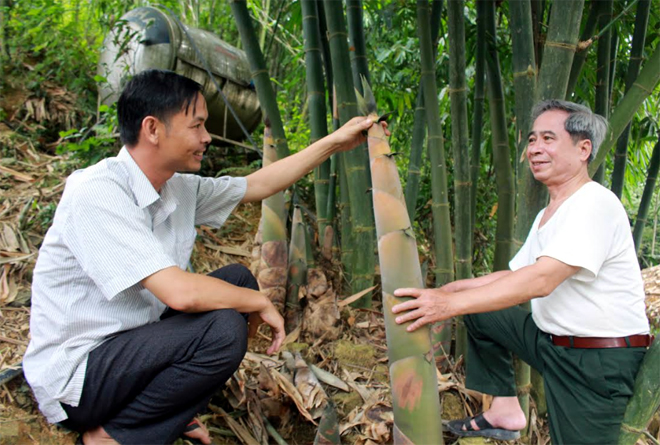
111 230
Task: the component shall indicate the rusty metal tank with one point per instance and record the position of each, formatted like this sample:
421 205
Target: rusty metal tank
150 38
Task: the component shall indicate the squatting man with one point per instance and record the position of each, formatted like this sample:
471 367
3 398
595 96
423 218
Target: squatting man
126 346
587 332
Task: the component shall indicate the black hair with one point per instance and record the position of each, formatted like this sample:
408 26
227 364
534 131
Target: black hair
157 93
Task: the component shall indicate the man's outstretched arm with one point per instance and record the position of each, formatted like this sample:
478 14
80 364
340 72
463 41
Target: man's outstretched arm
510 289
281 174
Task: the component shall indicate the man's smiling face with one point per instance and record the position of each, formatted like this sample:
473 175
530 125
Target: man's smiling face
552 154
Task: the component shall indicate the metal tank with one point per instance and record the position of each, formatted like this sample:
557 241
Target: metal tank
147 38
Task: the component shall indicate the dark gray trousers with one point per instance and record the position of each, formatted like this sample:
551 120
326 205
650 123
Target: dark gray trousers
586 389
145 385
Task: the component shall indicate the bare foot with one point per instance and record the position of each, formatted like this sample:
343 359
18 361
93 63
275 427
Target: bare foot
198 431
505 413
98 436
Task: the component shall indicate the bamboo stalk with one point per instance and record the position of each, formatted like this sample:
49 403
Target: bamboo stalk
645 399
444 271
328 432
318 118
641 89
603 70
478 109
259 71
559 49
419 125
583 48
359 61
530 194
415 401
501 156
647 196
272 273
636 51
354 162
297 270
461 150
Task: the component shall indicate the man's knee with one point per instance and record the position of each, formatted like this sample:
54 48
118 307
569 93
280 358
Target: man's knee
238 275
229 332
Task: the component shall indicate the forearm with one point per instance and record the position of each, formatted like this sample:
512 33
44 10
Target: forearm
188 292
471 283
283 173
512 288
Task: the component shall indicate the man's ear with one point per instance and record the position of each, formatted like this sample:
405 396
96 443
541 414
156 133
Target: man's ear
150 129
585 149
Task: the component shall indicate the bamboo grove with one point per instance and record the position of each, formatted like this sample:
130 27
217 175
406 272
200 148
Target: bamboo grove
550 47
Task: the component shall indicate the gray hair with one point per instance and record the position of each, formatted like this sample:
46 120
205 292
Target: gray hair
581 122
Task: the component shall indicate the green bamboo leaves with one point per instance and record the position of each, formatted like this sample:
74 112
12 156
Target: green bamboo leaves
412 367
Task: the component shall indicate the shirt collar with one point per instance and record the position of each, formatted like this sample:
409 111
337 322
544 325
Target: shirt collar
143 190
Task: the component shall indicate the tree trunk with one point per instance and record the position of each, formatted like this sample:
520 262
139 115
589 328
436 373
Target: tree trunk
637 48
647 196
265 92
354 162
415 401
501 156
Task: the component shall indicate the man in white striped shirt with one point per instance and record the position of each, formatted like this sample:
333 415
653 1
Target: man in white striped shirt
102 360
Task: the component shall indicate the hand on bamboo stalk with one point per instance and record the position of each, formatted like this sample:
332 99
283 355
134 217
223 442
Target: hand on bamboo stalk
427 306
353 133
272 318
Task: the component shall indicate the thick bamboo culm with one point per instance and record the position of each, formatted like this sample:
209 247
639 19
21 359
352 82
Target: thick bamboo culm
354 164
461 148
264 88
415 401
318 116
636 53
501 151
647 196
272 275
297 270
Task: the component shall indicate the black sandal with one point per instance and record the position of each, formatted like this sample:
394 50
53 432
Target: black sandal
463 428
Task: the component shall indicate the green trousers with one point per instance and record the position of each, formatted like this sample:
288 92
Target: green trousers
586 389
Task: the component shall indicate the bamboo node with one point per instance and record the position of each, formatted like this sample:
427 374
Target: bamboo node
440 270
413 171
456 90
581 46
524 390
336 33
460 183
632 429
643 88
355 169
309 50
256 73
362 229
560 45
440 204
322 181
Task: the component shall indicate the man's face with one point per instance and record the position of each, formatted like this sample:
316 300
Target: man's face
182 149
553 156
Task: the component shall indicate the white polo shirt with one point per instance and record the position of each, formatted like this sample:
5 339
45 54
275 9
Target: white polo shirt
605 298
111 230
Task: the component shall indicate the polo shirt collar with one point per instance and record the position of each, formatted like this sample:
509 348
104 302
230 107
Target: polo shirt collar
144 192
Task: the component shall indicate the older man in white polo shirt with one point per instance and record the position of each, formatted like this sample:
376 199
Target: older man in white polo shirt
587 332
